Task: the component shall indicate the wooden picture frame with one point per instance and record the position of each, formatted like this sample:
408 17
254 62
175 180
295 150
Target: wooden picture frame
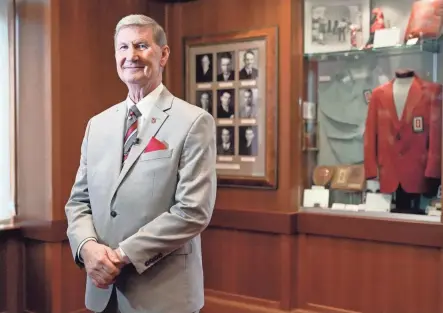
234 77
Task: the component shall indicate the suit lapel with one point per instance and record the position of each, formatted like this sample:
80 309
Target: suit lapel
414 98
117 129
151 125
390 104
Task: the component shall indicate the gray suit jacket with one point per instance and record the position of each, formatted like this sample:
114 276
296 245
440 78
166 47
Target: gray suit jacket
162 201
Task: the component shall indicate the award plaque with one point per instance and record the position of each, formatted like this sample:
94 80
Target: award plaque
323 175
349 177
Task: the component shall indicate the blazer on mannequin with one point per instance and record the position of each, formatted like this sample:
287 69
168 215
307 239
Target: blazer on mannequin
404 151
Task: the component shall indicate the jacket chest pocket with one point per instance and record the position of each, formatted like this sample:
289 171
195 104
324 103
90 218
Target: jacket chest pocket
156 163
155 155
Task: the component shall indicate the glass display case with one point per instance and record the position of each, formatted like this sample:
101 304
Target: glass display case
372 111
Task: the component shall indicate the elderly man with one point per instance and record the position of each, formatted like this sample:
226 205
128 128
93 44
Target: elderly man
248 71
145 188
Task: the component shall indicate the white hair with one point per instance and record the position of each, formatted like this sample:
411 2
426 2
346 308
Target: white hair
140 20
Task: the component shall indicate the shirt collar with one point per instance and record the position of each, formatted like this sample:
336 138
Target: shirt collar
144 105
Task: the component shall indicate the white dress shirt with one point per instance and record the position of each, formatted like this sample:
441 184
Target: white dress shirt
145 106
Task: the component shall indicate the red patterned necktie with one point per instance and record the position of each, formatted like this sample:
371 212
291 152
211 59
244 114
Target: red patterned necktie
131 130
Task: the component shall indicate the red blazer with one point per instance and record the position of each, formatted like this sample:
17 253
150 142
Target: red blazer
407 151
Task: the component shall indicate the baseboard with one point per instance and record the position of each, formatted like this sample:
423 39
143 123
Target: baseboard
222 302
318 308
81 311
76 311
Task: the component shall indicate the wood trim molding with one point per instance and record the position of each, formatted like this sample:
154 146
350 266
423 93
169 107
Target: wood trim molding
277 222
47 231
285 223
217 301
326 309
374 229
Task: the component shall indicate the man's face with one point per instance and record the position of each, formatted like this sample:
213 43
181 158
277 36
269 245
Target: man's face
249 135
225 135
225 64
248 98
225 99
204 100
138 58
249 60
205 62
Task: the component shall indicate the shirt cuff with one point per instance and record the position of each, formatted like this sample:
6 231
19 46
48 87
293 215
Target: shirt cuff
81 246
123 254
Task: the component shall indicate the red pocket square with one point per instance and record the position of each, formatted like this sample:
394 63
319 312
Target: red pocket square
155 145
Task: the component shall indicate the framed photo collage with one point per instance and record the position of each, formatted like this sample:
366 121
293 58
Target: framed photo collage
230 78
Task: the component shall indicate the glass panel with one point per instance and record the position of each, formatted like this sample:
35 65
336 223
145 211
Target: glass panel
372 116
6 122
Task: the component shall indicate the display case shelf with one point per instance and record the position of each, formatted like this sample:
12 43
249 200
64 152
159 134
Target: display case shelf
429 46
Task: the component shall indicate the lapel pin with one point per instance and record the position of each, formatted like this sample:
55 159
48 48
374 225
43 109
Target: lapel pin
153 120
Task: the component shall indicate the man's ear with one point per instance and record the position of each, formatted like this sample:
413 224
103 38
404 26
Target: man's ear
165 55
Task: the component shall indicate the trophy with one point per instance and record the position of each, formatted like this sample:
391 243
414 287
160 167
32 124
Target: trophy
322 175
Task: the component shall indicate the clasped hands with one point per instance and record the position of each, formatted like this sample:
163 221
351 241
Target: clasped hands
102 263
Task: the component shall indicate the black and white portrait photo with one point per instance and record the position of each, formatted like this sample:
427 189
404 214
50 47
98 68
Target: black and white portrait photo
248 60
203 70
204 100
248 106
331 24
225 140
225 62
248 140
225 103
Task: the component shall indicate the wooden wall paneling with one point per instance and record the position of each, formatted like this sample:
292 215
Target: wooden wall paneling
54 283
288 271
69 77
3 271
297 79
11 271
439 272
38 288
363 276
203 18
14 274
34 182
88 77
245 268
299 293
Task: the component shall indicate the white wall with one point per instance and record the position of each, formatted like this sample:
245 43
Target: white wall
6 203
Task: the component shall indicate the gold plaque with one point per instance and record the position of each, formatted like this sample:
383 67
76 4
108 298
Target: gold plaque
323 175
349 177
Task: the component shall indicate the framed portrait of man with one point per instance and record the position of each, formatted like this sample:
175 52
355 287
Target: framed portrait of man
248 103
225 62
203 70
243 94
248 64
226 103
248 141
225 140
204 100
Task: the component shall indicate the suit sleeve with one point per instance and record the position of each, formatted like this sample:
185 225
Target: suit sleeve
433 166
194 201
78 208
370 139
